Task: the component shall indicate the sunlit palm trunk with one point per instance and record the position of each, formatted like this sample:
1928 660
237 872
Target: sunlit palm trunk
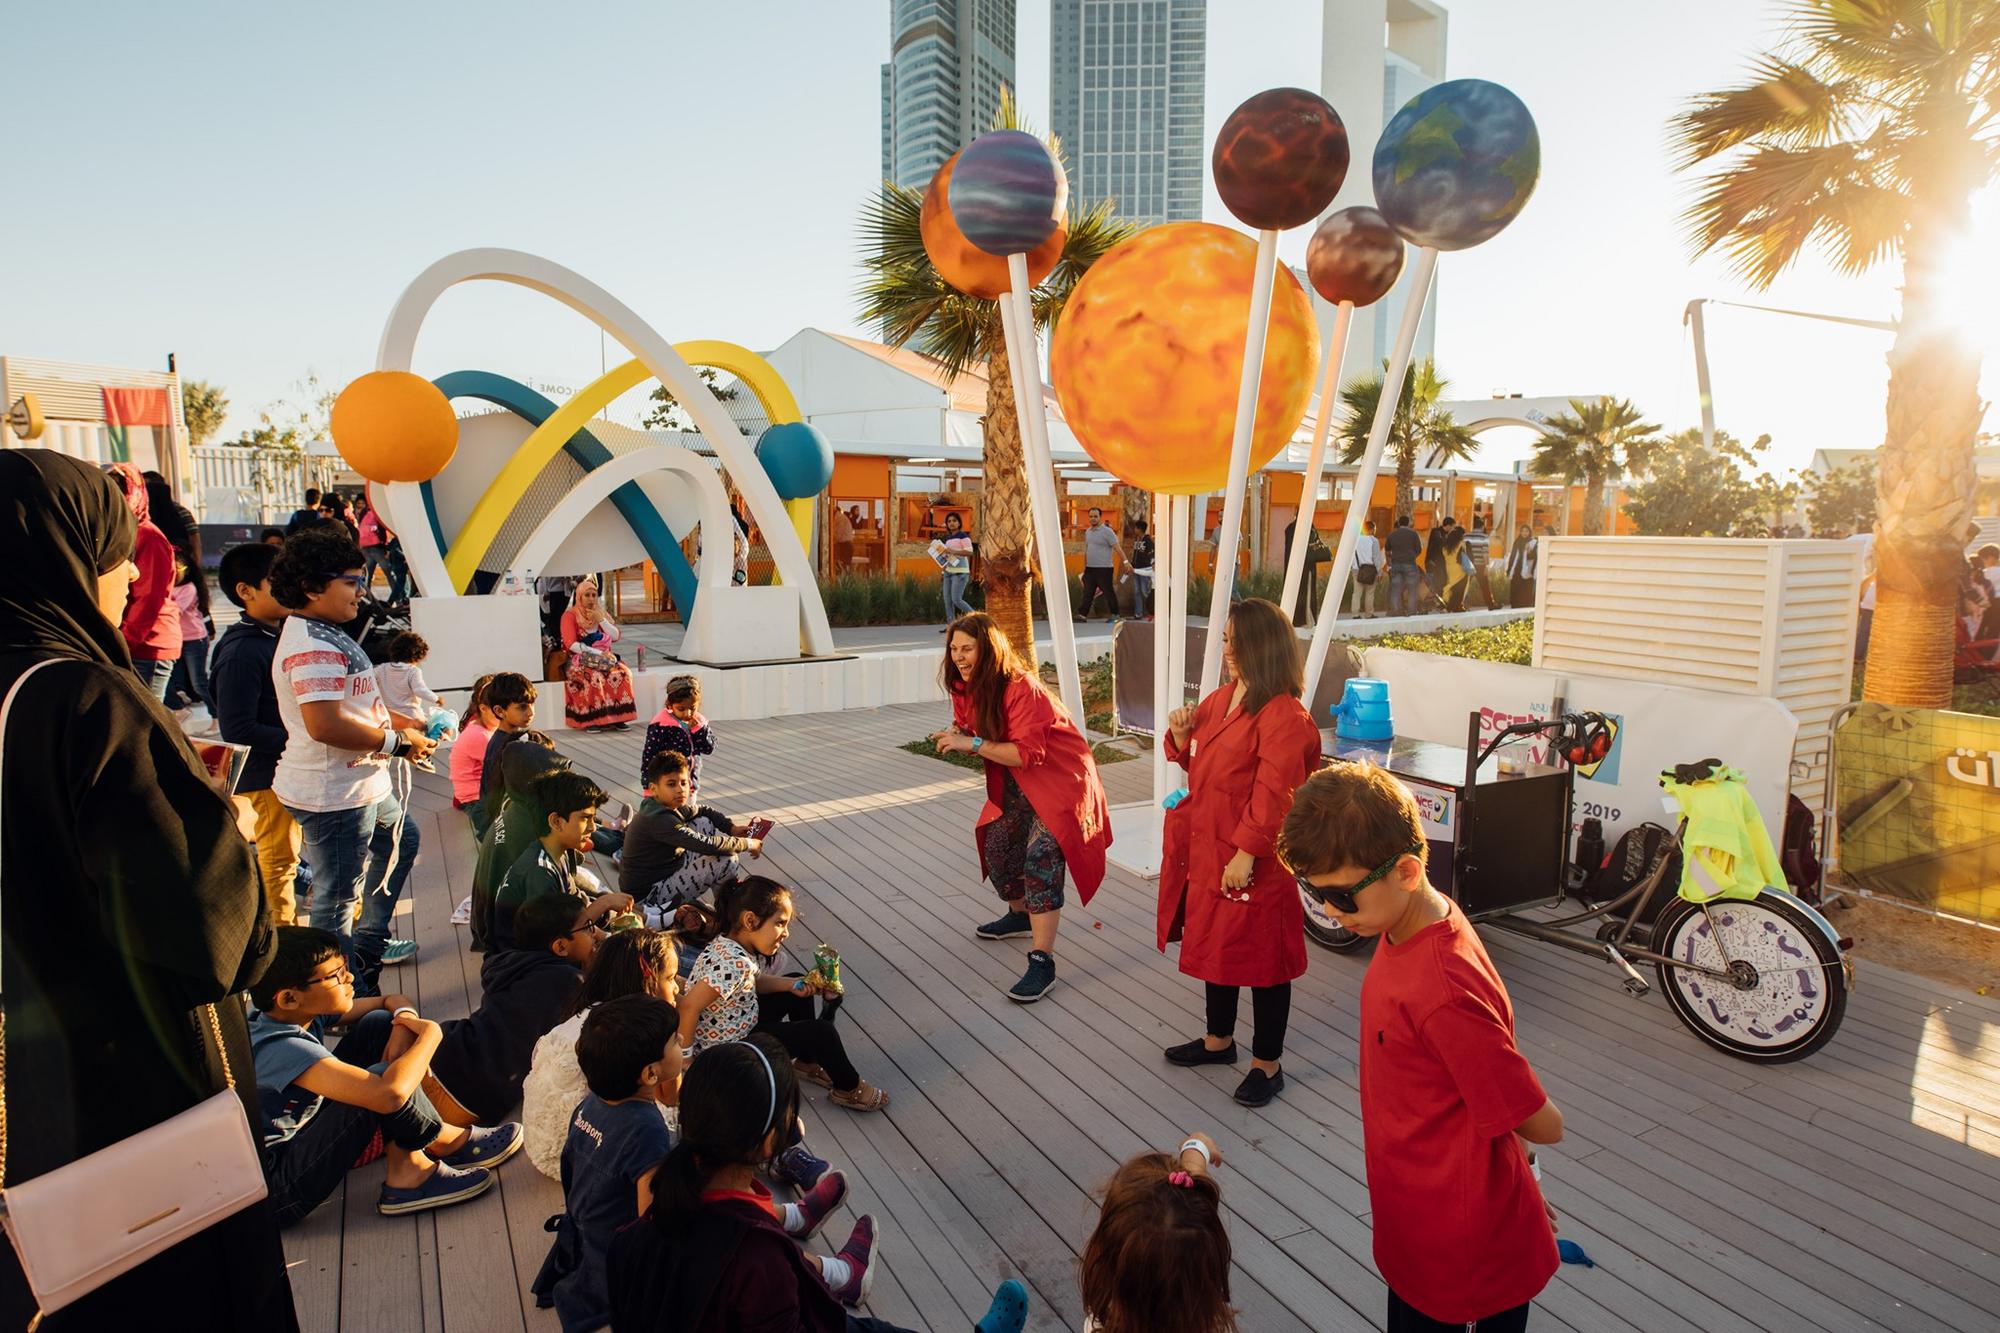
1593 505
1924 493
1406 474
1005 561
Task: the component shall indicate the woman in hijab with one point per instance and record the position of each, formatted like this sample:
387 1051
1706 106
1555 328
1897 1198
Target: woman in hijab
130 901
597 687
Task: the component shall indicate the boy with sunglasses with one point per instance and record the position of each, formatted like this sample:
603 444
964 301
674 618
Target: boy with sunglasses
1449 1106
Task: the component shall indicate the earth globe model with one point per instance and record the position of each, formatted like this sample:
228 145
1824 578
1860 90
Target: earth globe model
1355 255
1457 164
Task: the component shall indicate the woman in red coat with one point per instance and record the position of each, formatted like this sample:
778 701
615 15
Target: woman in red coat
1045 811
1223 892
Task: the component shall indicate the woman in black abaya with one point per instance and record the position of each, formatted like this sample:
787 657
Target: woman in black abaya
128 899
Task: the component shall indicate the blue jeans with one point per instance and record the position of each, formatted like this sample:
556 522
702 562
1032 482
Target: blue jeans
1404 580
350 852
955 604
1142 594
309 1166
187 683
152 673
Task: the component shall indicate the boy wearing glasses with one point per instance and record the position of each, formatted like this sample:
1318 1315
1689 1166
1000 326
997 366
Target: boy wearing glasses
333 776
1449 1106
320 1107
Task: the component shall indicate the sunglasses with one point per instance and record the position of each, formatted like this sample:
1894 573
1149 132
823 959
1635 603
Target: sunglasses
359 581
1342 899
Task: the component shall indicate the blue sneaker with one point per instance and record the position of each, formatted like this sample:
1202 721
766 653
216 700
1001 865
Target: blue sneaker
398 951
446 1186
1009 1311
1037 981
488 1147
797 1167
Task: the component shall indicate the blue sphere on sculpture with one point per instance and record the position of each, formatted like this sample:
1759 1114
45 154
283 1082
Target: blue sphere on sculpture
797 458
1457 164
1008 192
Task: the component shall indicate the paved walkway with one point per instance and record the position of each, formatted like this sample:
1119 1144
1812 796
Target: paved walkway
1857 1190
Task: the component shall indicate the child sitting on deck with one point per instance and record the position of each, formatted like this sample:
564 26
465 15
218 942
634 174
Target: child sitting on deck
679 728
524 992
399 679
322 1107
468 755
567 802
1159 1258
512 824
676 851
731 993
511 696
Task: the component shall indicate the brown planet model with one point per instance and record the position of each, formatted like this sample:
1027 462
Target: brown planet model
1354 256
1280 158
963 264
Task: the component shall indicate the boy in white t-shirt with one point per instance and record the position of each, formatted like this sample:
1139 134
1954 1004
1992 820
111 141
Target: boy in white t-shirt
333 776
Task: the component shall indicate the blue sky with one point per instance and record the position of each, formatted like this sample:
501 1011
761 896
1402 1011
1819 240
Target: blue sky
252 185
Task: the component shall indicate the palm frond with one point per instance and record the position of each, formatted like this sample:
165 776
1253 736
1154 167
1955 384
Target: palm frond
1785 103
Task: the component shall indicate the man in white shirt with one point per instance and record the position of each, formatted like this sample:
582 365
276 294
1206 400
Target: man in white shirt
1367 571
334 773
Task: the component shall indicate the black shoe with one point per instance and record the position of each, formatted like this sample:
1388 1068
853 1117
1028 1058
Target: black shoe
1196 1052
1011 926
1258 1088
1037 981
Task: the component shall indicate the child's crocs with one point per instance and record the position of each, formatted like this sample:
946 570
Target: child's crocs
488 1147
445 1187
1009 1311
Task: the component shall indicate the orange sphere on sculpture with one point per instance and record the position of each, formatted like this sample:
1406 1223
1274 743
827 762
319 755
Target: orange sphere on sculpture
963 264
391 425
1149 355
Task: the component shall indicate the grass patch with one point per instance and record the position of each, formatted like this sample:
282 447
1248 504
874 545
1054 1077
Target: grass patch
1513 642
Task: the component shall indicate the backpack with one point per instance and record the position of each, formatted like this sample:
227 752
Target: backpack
1636 853
1797 852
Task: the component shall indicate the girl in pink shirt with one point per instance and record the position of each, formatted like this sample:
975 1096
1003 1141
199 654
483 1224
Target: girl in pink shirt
468 752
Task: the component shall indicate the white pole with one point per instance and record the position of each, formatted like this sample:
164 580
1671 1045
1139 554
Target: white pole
1371 463
1025 363
1163 546
1177 607
1295 563
1701 374
1230 538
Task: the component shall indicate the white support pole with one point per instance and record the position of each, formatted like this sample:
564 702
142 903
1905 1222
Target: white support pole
1371 464
1693 318
1329 385
1177 606
1231 536
1024 363
1164 543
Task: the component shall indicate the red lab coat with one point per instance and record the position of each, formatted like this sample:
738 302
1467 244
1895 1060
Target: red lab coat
1057 775
1241 777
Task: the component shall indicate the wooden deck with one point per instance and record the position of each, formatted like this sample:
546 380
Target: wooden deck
1859 1189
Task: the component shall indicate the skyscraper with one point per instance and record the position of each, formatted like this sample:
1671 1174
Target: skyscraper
1125 97
948 61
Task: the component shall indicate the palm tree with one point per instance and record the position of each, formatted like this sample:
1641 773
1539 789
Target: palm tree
1866 134
204 406
1595 443
1420 429
902 294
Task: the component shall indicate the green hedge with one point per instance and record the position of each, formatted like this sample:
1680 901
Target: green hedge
1512 642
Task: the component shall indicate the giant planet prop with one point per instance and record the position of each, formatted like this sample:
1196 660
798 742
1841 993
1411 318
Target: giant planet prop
1355 255
797 458
391 425
1008 193
964 265
1280 158
1149 354
1457 164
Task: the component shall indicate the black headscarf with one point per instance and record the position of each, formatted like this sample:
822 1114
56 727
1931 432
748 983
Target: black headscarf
62 524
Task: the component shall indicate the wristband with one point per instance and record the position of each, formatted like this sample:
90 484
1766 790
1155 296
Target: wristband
400 1010
392 742
1199 1147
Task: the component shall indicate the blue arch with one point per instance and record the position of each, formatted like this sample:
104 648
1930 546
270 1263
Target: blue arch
657 539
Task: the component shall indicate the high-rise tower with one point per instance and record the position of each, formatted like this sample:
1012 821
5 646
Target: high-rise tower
948 61
1126 79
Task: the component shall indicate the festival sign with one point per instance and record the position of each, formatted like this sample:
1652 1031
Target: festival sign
1917 796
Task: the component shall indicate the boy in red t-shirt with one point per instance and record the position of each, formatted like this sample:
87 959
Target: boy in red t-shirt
1449 1106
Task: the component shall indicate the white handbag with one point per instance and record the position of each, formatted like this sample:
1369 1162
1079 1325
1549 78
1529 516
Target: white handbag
79 1226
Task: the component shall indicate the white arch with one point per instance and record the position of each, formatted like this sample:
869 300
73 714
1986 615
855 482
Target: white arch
398 347
717 561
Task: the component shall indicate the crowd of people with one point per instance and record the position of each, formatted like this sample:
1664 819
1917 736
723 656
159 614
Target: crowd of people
643 1043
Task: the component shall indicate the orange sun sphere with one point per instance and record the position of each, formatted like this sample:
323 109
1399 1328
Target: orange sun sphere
391 425
963 264
1149 354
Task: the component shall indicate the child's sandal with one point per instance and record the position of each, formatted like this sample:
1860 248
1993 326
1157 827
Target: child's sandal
812 1073
862 1097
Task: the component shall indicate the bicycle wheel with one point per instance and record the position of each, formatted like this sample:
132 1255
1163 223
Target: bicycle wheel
1789 991
1324 931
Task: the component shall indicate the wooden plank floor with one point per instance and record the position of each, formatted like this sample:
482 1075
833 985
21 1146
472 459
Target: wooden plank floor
1859 1189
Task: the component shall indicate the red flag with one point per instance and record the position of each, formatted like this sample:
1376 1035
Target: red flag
136 407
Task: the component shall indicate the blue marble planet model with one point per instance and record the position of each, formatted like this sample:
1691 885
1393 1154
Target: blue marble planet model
1457 164
1280 158
1355 255
797 458
1008 192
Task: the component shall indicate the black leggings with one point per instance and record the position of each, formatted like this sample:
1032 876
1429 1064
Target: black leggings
1270 1009
816 1041
1405 1318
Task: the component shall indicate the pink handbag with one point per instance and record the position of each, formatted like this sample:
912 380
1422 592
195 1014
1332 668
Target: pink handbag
79 1226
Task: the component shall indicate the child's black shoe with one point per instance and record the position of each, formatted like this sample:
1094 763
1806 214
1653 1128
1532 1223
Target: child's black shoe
1036 981
1258 1088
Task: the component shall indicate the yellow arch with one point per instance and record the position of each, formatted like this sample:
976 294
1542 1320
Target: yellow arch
504 492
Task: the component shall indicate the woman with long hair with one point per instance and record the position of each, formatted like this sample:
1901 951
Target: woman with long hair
1223 892
1045 814
597 687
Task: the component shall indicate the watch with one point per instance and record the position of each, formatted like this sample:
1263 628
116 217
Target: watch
977 741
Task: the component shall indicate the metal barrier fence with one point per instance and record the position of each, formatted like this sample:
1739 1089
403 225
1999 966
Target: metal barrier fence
231 484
